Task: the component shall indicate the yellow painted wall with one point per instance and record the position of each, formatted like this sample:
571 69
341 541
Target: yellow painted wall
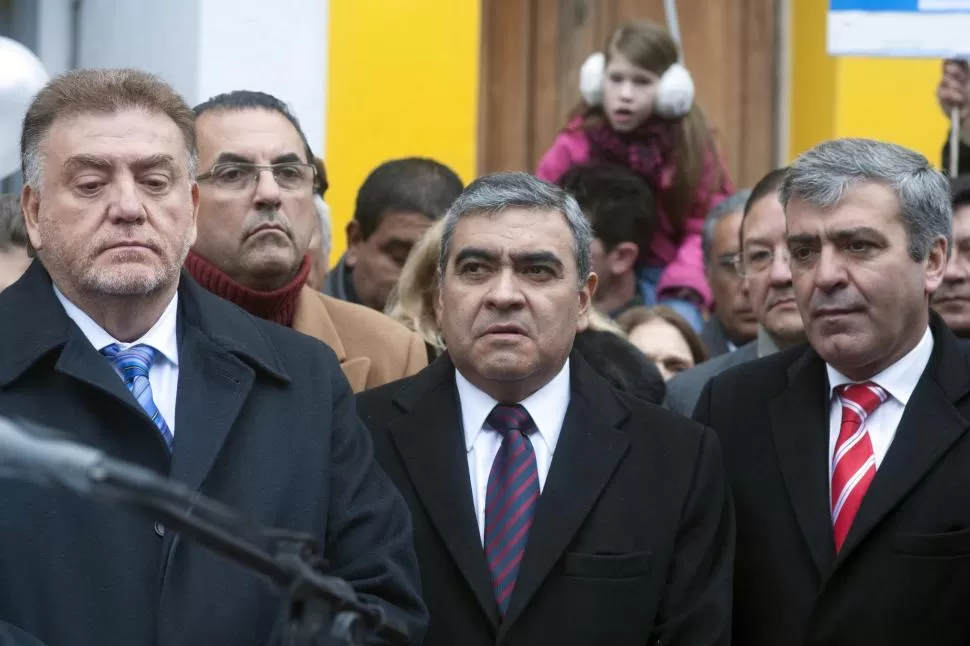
402 80
890 99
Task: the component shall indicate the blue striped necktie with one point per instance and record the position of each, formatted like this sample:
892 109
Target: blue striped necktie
134 364
510 500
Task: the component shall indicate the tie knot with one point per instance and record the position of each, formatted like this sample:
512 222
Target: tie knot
506 419
866 396
136 361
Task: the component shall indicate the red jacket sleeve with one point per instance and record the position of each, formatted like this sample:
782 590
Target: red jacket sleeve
686 270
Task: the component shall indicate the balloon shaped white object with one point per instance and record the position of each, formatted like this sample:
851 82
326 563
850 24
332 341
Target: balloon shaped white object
22 75
591 79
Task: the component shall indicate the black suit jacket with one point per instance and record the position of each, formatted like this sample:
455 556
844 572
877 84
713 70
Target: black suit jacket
265 423
10 636
633 535
903 574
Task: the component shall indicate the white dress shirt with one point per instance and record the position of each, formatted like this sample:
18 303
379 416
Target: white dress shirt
547 407
899 380
163 337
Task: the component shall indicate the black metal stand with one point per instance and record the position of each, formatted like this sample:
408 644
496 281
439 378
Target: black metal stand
316 610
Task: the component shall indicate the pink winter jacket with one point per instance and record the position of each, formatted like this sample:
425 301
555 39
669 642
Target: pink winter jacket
683 261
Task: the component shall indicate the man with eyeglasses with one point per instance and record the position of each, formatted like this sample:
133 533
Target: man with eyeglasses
256 221
763 265
732 323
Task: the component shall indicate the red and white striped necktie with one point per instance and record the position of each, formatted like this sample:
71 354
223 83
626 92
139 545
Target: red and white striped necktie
853 463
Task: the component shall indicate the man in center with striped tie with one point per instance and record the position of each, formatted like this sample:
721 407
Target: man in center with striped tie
849 458
548 508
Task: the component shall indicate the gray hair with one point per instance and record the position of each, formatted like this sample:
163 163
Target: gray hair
724 208
323 221
501 191
821 176
100 91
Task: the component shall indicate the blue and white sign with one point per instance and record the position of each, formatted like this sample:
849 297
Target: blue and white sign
899 28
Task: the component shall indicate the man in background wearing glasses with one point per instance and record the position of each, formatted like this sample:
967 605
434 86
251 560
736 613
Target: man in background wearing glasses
256 221
732 323
763 265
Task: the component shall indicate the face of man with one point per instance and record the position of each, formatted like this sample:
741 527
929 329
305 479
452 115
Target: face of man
863 298
952 299
731 298
377 261
13 263
613 268
510 303
256 230
765 263
115 211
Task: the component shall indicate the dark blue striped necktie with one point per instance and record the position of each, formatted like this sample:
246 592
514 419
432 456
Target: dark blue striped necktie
510 500
134 365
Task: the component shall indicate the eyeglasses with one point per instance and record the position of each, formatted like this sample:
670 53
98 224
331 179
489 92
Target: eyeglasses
751 262
238 176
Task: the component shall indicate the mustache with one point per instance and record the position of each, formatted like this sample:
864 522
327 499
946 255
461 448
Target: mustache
139 235
837 301
950 291
484 327
775 296
264 217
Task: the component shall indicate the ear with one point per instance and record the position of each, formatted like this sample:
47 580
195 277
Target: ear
585 297
30 207
354 239
935 264
195 213
591 75
675 93
622 258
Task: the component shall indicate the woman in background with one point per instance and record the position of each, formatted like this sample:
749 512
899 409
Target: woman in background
664 337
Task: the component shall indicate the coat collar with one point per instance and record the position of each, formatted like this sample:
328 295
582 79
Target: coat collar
313 319
35 324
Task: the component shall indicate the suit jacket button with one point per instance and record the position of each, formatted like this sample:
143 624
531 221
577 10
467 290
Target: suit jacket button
160 529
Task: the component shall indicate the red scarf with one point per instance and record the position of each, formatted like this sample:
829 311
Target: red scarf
648 151
278 305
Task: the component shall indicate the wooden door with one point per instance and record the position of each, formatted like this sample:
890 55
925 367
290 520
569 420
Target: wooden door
532 51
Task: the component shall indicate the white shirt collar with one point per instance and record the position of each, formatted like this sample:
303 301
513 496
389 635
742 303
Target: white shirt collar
899 379
547 407
162 336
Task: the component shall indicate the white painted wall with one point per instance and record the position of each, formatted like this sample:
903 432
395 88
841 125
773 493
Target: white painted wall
274 46
158 37
206 47
54 38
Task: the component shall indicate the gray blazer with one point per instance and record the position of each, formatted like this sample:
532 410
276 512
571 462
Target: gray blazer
684 389
715 338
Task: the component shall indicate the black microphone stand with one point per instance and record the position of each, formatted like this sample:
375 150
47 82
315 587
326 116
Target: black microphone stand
316 610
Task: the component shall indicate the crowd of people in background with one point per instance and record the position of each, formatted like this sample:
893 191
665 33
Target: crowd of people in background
615 400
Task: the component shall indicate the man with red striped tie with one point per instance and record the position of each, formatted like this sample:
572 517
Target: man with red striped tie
548 509
849 458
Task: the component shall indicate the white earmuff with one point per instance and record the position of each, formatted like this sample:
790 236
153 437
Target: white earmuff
591 79
675 93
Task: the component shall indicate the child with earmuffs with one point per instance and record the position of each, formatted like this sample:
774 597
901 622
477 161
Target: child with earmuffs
638 111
